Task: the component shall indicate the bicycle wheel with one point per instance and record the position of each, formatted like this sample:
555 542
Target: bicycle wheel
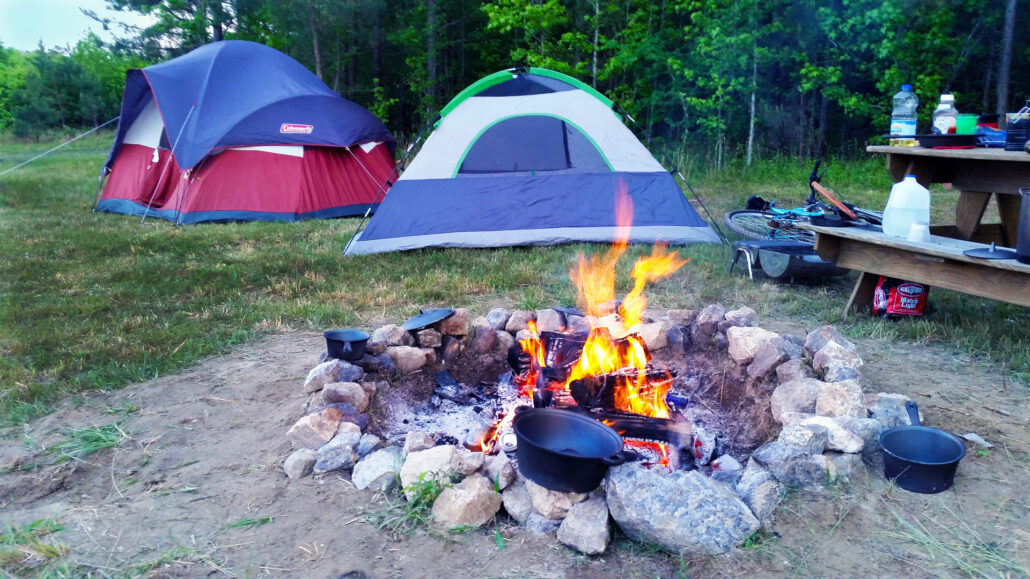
756 225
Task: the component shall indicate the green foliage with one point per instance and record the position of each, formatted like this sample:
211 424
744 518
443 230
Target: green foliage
82 442
400 517
31 550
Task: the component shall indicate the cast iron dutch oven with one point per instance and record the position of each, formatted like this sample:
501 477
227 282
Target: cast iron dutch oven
919 458
564 451
346 344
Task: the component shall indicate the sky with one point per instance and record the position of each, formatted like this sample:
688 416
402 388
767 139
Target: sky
58 23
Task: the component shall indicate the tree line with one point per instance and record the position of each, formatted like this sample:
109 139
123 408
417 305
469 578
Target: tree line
719 78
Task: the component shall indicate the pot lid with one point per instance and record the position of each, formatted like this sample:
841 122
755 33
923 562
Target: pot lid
426 318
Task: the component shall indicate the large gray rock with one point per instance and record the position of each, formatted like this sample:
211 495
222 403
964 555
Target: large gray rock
744 342
836 362
548 320
432 464
319 426
349 392
484 338
653 334
504 341
768 357
519 320
838 437
585 527
406 358
299 463
348 372
320 375
499 470
368 443
552 504
760 491
706 325
392 335
498 318
429 338
840 399
792 370
683 512
681 317
470 503
818 338
379 471
795 396
457 324
868 429
516 500
341 452
791 465
812 438
741 317
889 410
540 525
415 441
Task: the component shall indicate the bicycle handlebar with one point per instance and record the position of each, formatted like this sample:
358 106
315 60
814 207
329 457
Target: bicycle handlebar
833 200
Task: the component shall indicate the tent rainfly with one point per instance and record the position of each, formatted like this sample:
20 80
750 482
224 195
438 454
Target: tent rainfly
238 131
529 157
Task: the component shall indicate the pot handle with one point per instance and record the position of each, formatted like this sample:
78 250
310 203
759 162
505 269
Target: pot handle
913 413
621 457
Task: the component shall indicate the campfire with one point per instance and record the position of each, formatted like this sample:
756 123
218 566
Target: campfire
606 371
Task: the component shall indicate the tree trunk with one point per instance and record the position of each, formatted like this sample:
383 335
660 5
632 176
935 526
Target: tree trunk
751 112
1006 58
597 27
313 22
430 56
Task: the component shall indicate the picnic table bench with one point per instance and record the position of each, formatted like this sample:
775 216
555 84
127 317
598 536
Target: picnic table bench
979 174
938 263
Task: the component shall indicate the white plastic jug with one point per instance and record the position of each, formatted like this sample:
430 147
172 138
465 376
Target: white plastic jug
909 202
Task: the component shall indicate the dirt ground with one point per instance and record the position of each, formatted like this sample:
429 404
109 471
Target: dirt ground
205 448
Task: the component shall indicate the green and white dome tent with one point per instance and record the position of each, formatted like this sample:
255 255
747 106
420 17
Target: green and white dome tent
529 157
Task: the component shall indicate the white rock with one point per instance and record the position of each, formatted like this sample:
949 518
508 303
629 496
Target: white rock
320 375
433 464
839 437
350 392
379 470
745 341
585 527
406 358
552 504
470 503
299 463
653 334
840 399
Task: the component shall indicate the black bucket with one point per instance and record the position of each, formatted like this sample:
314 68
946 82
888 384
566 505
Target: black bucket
346 344
919 458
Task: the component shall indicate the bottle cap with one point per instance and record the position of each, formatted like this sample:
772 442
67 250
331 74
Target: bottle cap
947 98
906 87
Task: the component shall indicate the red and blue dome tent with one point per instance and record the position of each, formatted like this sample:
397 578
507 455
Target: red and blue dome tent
238 131
529 157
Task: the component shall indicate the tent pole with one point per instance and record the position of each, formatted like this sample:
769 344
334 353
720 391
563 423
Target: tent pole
702 204
171 155
387 182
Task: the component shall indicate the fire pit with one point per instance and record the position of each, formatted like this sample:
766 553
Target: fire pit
722 415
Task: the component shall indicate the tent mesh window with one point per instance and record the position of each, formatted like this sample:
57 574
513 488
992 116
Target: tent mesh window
534 143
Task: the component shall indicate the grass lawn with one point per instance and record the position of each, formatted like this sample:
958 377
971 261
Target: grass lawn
96 301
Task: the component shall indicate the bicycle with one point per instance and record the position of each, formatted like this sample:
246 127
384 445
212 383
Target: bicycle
763 220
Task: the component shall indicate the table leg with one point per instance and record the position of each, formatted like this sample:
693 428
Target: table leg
862 296
1008 208
969 210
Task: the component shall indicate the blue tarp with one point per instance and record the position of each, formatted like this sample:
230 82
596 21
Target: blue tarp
237 93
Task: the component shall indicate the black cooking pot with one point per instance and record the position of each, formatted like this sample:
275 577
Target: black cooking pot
564 451
346 344
919 458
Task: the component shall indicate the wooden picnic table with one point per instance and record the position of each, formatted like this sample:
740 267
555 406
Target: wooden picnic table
938 263
978 173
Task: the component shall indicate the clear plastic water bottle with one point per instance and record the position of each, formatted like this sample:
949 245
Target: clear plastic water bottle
945 117
903 115
909 202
